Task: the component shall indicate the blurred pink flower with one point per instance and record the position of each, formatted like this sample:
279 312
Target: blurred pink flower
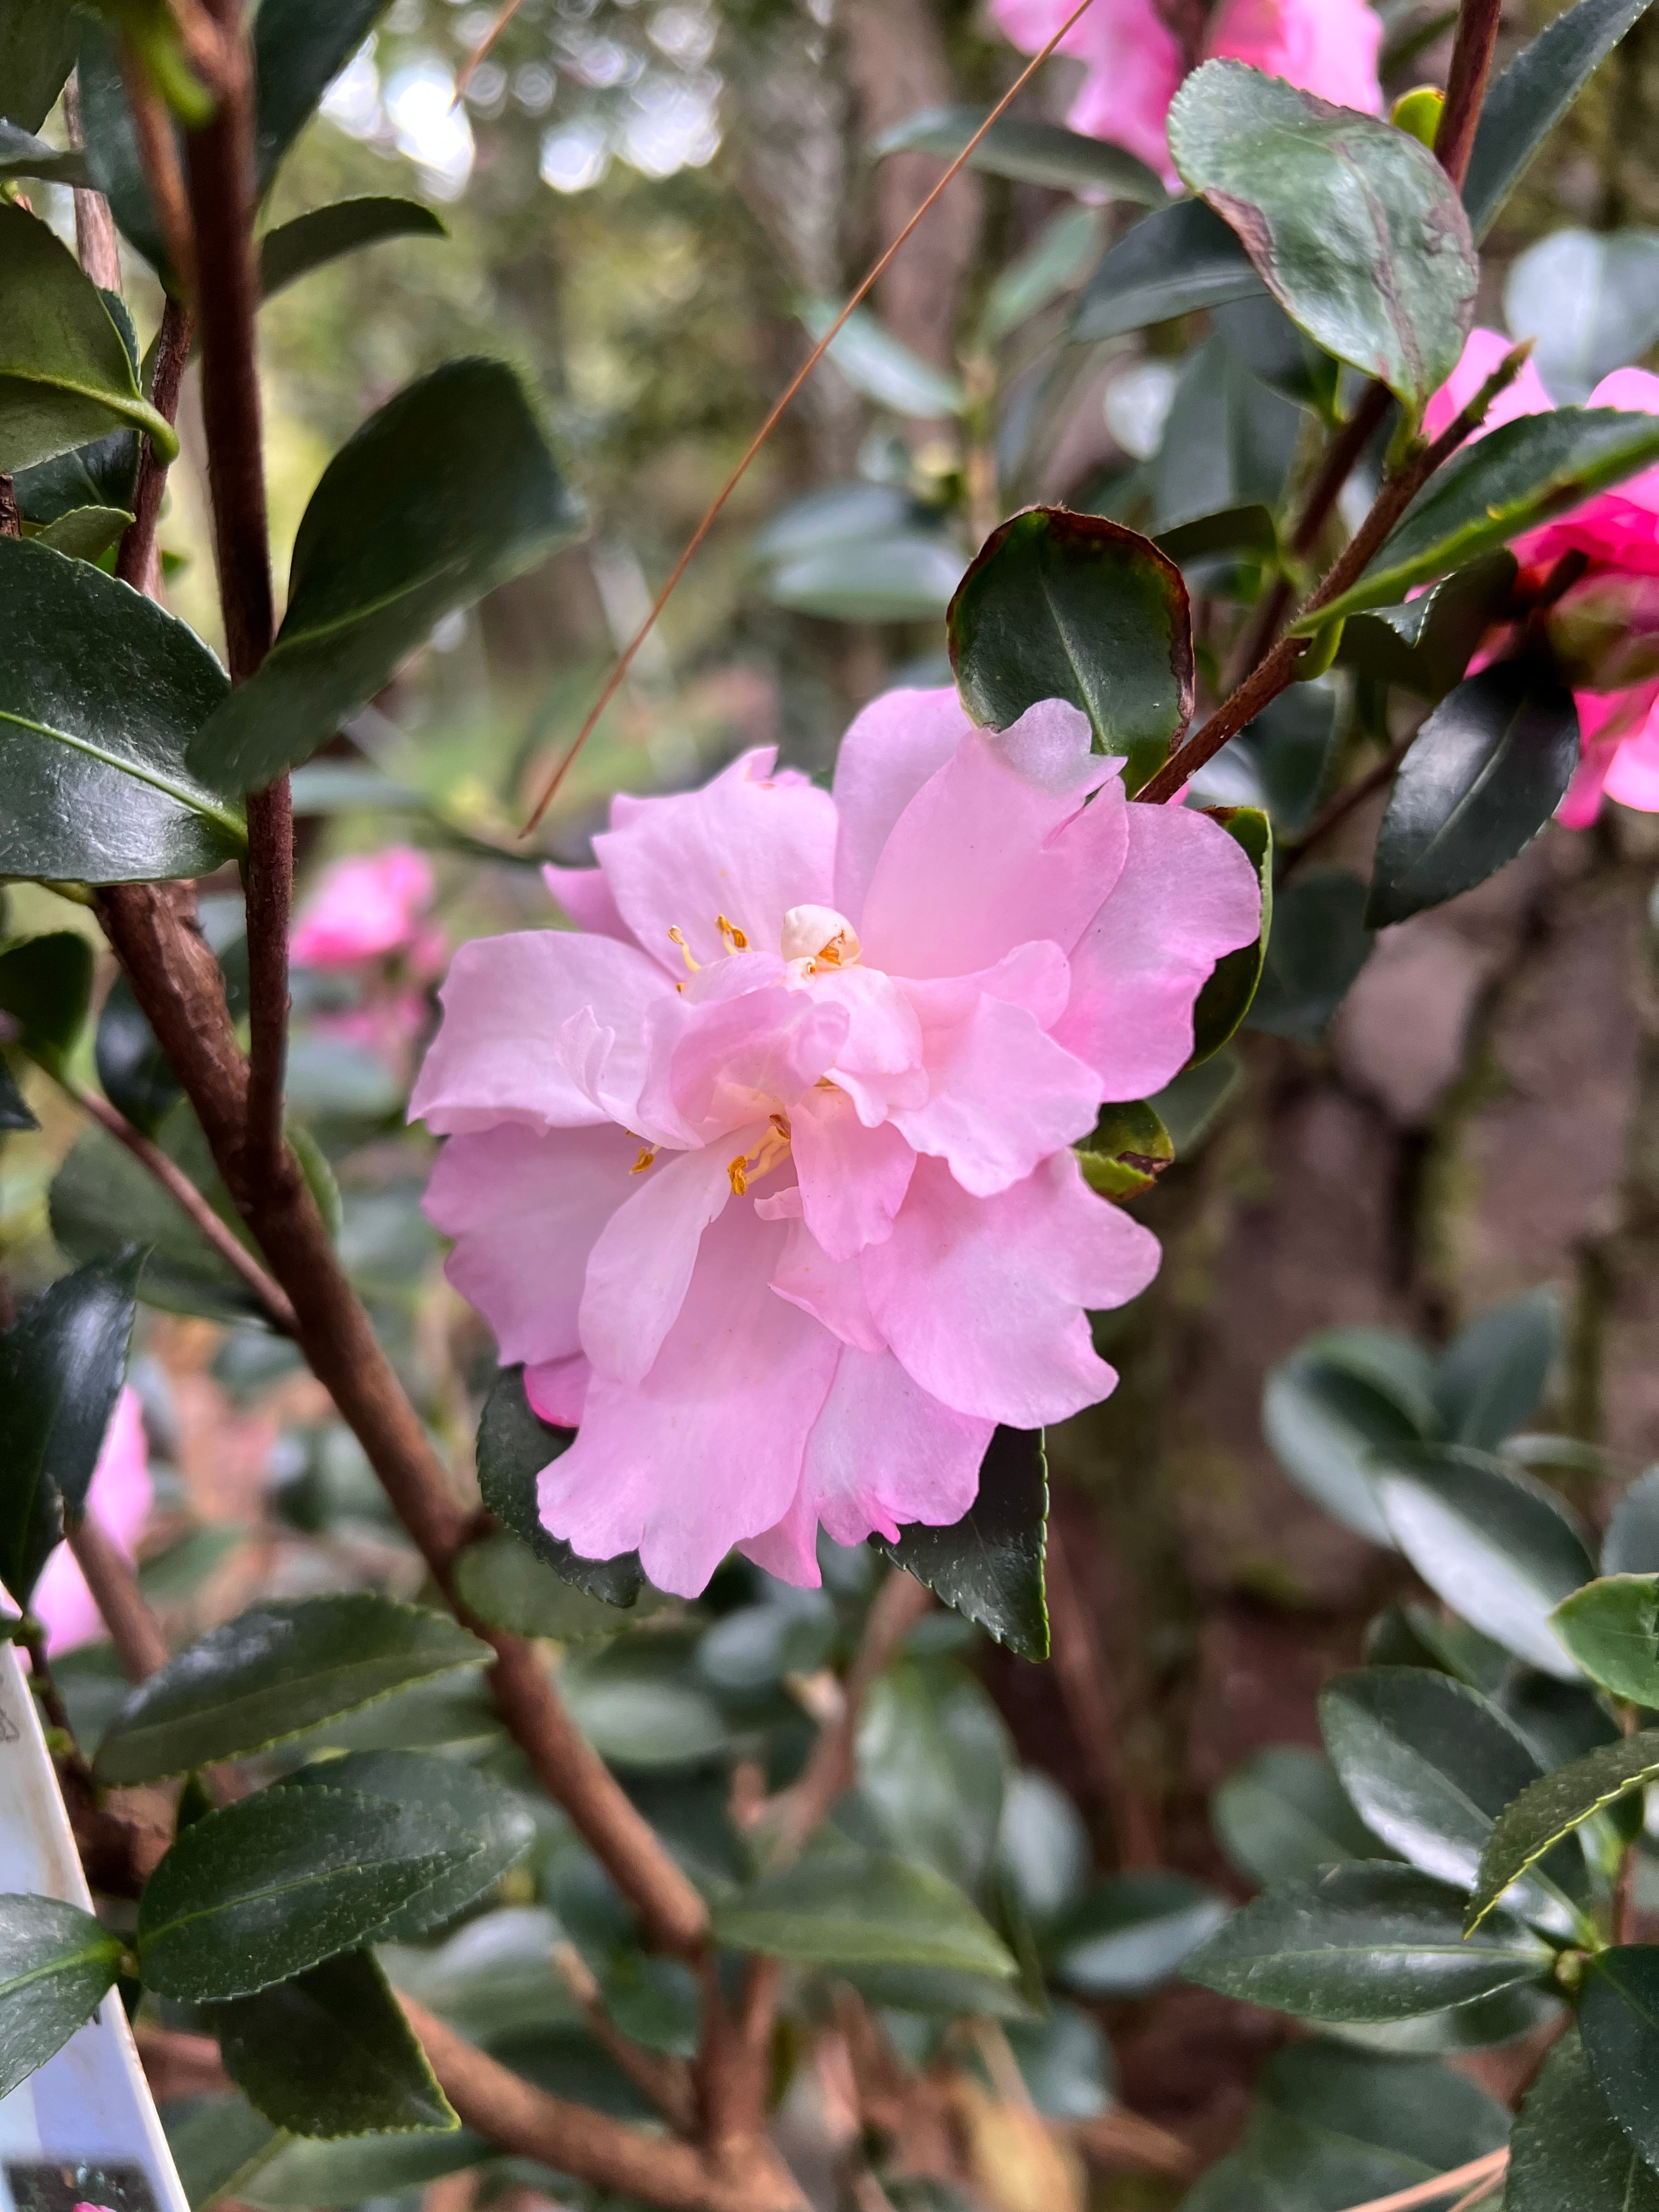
1618 532
118 1499
367 909
765 1173
1134 61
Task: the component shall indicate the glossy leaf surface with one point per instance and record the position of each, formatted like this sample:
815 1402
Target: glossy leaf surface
1554 1806
1173 263
988 1565
1619 2020
45 988
1426 644
1284 1815
1612 1629
1334 1402
1630 1546
1318 944
1589 301
56 1963
23 154
37 52
1126 1152
1567 2149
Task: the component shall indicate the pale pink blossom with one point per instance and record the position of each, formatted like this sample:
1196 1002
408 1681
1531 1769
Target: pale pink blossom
118 1499
368 908
1133 63
765 1173
1618 532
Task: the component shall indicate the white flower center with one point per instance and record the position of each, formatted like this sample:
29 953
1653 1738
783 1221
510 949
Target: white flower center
819 934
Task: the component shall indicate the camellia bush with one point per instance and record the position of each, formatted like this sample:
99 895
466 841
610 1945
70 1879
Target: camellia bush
620 1811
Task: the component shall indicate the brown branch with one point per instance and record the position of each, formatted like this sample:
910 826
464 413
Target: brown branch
589 2145
1121 2137
1429 2192
733 2062
1476 38
10 525
794 1813
158 156
1278 670
1092 1708
139 1644
179 1188
665 2080
136 563
95 227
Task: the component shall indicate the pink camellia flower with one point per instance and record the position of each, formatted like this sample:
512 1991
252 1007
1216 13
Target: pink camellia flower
1616 531
367 909
118 1498
1134 63
765 1173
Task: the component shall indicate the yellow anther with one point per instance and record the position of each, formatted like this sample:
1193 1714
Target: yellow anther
647 1153
675 937
733 936
737 1175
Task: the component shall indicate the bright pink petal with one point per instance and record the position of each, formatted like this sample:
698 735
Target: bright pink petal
642 1264
982 1299
707 1450
747 846
118 1498
1134 65
524 1206
499 1054
1483 350
1633 774
852 1179
558 1389
1187 896
998 848
740 1061
586 897
1327 47
364 909
889 753
831 1291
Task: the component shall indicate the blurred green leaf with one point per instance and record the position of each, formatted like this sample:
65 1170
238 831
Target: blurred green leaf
1491 1379
1043 1846
24 155
1554 1807
1231 985
1590 301
37 52
85 533
1630 1546
1055 262
910 577
1427 644
846 1908
447 491
300 47
14 1110
312 240
1335 1399
136 1076
1029 152
933 1757
275 1671
1132 1931
638 1702
1126 1152
1567 2149
1283 1815
1318 944
217 2144
502 1581
988 1565
513 1447
45 986
1226 450
881 367
55 1964
299 2175
1174 262
1612 1629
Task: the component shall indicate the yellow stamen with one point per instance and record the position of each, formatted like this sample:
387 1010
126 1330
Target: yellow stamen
647 1153
675 937
733 936
736 1176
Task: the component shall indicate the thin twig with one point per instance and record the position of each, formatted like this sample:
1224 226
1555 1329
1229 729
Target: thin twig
95 227
1278 670
133 1629
179 1188
865 284
665 2080
475 59
1121 2137
136 563
1089 1701
1472 44
158 156
10 525
1443 2185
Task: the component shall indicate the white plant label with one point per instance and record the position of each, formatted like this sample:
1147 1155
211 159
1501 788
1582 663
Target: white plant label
81 2133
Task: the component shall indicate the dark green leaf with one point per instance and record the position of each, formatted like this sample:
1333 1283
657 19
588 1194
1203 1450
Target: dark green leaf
908 577
56 1963
99 477
447 491
45 986
1132 1931
1283 1815
933 1761
1619 2020
1413 1635
269 1888
989 1564
23 154
85 533
882 367
846 1908
1560 1802
638 1702
14 1110
329 2054
1058 605
1499 1548
1336 1399
1173 263
1612 1629
1487 771
100 692
1532 95
37 52
1272 347
112 145
135 1074
1491 1379
217 2144
1053 264
1365 1942
513 1447
501 1581
1630 1546
1497 488
1126 1152
64 373
1291 743
300 46
1426 644
1352 225
1319 943
1227 447
1030 152
496 1819
1225 998
1590 301
61 1367
1248 532
275 1671
300 2176
1429 1764
312 240
1567 2149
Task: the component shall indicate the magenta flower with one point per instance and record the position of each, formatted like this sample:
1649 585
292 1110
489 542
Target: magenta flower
367 909
1618 597
118 1498
765 1174
1134 63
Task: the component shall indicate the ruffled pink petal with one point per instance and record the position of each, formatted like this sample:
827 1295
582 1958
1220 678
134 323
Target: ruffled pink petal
558 1389
998 848
118 1498
1633 776
747 846
831 1291
586 897
642 1264
524 1206
1483 349
982 1299
705 1451
1187 895
889 753
739 1061
1002 1095
1327 47
498 1056
852 1179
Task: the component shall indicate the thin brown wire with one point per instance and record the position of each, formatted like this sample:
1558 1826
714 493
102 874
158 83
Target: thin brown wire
873 275
470 66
